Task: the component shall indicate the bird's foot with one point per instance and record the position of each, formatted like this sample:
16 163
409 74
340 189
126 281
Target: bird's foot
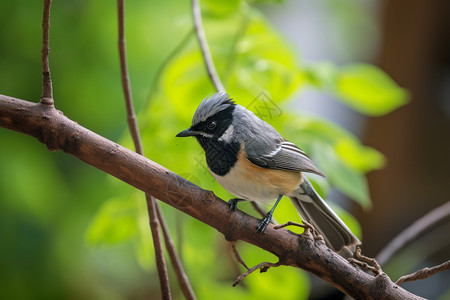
261 227
232 203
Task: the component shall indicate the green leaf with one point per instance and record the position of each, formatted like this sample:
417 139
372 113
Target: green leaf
347 180
251 58
309 130
219 9
115 222
337 153
321 75
327 145
263 62
359 157
369 90
186 83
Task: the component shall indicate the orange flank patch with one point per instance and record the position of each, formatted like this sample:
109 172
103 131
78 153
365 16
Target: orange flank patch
281 182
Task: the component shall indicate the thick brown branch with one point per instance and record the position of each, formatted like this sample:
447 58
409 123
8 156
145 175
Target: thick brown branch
47 89
56 131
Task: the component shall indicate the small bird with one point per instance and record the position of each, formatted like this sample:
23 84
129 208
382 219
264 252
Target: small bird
252 161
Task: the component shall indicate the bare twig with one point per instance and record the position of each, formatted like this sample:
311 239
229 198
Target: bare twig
290 223
183 279
412 232
209 63
307 226
157 244
263 267
237 255
133 127
366 262
424 273
126 86
47 89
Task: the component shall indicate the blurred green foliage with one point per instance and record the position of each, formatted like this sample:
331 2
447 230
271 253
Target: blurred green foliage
70 231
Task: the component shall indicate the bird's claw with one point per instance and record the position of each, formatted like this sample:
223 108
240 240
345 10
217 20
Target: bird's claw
262 225
232 203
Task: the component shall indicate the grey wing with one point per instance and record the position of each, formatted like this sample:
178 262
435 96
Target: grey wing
285 156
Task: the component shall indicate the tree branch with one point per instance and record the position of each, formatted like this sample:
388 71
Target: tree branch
47 89
263 267
209 63
154 209
183 279
57 132
412 232
126 86
424 273
161 266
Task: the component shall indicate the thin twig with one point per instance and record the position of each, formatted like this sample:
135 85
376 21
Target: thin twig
412 232
237 255
264 266
157 244
206 52
231 258
183 279
133 127
365 262
126 86
307 226
424 273
290 223
47 88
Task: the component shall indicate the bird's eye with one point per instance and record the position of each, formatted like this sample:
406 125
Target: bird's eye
211 125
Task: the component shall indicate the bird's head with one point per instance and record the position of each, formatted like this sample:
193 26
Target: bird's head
213 119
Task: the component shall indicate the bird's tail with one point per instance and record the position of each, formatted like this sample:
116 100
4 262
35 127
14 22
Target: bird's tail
313 209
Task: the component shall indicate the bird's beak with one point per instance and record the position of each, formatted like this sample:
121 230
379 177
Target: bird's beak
187 132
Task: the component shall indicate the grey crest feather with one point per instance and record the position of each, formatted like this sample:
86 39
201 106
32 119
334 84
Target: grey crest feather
211 105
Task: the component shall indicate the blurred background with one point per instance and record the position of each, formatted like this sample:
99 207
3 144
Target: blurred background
361 86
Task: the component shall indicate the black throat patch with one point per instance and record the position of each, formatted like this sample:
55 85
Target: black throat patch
220 156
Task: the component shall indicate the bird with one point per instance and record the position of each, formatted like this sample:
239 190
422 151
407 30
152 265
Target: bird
252 161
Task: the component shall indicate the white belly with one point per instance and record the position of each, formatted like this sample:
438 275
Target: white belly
250 182
242 187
